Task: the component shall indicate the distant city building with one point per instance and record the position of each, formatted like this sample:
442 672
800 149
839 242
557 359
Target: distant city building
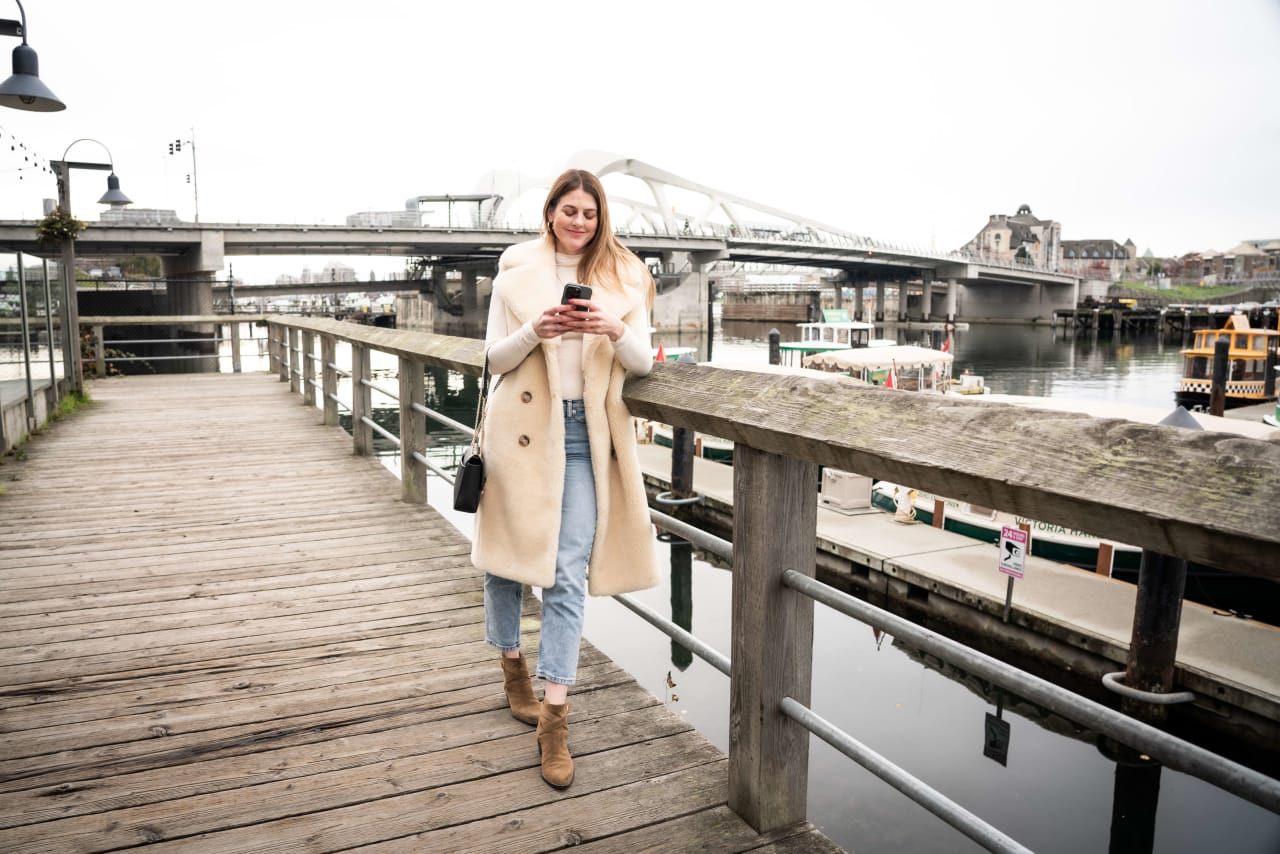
139 216
1022 236
1251 259
385 219
1099 259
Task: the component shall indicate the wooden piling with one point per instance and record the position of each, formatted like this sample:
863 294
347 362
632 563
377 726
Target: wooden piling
1153 648
1221 365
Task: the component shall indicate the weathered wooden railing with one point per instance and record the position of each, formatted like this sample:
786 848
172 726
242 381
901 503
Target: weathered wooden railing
191 344
1180 495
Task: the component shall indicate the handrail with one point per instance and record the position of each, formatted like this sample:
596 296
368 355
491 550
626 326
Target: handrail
856 429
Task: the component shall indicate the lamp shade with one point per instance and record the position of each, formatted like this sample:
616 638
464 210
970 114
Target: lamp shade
113 196
23 90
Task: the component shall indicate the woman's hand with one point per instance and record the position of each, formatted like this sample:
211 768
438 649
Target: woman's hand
597 321
550 324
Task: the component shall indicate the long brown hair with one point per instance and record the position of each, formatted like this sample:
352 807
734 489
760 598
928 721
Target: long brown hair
604 258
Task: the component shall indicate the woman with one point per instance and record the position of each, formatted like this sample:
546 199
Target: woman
564 506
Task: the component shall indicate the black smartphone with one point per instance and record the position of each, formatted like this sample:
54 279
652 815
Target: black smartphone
576 292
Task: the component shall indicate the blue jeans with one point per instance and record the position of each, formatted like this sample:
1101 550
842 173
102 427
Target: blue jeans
563 604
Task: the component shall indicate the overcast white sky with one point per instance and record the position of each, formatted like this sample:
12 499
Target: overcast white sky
908 121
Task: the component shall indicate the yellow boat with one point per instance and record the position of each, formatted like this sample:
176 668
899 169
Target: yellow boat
1247 368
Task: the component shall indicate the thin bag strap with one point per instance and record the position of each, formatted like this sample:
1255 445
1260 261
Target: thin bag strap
480 405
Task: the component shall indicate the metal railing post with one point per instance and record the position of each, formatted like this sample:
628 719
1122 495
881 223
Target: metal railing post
768 751
413 432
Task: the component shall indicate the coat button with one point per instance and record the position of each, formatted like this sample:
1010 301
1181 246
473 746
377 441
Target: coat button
526 397
524 440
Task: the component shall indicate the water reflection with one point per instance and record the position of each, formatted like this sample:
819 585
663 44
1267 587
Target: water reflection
1050 787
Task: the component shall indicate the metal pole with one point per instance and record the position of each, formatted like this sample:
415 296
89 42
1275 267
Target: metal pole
73 370
195 178
32 425
48 325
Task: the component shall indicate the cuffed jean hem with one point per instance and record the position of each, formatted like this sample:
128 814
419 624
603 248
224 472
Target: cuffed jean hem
566 682
500 647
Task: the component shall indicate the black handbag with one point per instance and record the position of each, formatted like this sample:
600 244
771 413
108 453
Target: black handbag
468 480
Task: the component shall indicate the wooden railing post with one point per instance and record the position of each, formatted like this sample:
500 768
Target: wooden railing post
295 359
235 345
774 519
99 351
361 400
413 432
329 378
282 349
308 368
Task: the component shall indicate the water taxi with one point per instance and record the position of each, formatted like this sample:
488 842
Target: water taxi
834 332
1247 370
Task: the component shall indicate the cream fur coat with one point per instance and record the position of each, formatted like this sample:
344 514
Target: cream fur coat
518 523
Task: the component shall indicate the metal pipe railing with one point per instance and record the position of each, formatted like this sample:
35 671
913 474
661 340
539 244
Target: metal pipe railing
1168 749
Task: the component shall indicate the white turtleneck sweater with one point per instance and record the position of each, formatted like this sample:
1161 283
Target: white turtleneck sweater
507 351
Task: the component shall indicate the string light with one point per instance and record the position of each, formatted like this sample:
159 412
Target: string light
30 159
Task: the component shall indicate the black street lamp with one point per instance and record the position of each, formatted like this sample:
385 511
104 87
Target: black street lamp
71 309
23 90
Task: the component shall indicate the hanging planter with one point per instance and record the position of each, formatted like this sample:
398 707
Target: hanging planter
57 227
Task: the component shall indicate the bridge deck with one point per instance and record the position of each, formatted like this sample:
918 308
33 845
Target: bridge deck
222 632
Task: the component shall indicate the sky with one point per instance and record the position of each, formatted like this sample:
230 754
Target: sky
910 121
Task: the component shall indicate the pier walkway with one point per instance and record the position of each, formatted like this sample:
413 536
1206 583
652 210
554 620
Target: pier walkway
222 632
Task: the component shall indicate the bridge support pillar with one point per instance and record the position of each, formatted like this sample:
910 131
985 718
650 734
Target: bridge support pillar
879 302
860 296
190 291
684 307
927 309
473 315
903 292
951 301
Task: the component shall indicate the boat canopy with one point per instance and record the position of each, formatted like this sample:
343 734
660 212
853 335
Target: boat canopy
900 357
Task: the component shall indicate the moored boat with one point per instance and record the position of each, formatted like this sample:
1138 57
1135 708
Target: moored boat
1246 381
1246 595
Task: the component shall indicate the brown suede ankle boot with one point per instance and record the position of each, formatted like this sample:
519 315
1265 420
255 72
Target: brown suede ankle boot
515 681
553 744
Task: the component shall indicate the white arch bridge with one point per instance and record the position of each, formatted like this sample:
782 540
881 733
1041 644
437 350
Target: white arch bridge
690 234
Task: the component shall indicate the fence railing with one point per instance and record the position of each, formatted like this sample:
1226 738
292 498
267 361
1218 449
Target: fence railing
205 344
1121 480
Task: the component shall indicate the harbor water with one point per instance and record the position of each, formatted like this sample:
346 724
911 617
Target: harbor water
1054 787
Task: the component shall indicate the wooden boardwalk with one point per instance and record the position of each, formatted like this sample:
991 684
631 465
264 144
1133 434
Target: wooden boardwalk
223 632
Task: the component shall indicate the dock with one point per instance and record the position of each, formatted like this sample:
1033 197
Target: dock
223 632
1075 623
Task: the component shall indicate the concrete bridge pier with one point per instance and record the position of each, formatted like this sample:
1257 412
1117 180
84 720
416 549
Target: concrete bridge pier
684 307
859 291
190 280
927 309
951 301
904 292
879 301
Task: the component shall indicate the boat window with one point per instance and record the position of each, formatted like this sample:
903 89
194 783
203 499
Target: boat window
1197 368
984 512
